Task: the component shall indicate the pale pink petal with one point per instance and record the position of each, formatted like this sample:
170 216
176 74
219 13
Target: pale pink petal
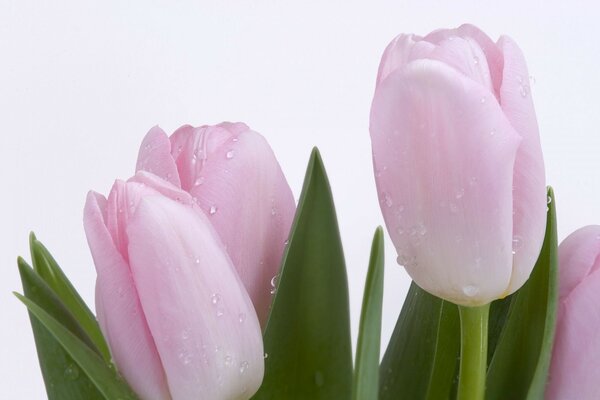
465 55
119 312
529 181
191 147
205 328
246 196
574 372
396 55
443 163
578 255
155 156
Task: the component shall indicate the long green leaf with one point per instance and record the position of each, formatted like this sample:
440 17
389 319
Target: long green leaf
519 367
103 377
61 373
49 270
307 338
420 361
366 372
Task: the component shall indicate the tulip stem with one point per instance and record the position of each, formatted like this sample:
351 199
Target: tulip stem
473 352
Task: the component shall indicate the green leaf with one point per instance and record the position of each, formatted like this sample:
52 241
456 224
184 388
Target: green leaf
366 373
102 376
307 338
420 361
49 270
519 367
61 373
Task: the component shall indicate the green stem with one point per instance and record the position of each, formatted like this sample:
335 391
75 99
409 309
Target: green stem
473 352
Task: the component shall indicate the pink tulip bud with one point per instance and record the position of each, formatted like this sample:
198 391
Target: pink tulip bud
458 163
178 320
574 372
233 175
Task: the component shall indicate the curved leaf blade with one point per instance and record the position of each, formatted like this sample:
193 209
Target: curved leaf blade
366 373
49 270
104 378
307 338
519 367
61 374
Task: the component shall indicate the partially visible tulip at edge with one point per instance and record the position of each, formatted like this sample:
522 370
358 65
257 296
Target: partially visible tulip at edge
458 163
574 373
178 320
233 175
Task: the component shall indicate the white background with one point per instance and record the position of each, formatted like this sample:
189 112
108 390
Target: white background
82 82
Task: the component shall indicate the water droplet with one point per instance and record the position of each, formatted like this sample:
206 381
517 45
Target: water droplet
197 260
517 244
386 199
72 372
476 60
220 312
470 290
273 211
266 355
185 358
244 366
179 148
524 90
483 99
286 242
274 284
319 379
147 145
492 132
460 192
228 360
400 230
549 200
235 139
185 334
473 181
229 154
199 181
453 208
242 318
212 210
215 298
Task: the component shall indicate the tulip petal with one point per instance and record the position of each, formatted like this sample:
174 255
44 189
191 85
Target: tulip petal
576 354
119 312
254 231
193 146
397 54
529 181
206 331
465 55
155 156
579 255
443 155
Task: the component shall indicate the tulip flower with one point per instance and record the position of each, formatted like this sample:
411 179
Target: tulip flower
458 163
574 372
233 175
176 316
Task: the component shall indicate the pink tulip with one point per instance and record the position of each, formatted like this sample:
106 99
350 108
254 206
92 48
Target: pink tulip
178 321
458 163
233 175
574 373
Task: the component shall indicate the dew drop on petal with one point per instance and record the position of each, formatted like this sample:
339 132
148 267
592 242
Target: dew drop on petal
215 298
470 290
244 366
213 210
229 154
387 199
